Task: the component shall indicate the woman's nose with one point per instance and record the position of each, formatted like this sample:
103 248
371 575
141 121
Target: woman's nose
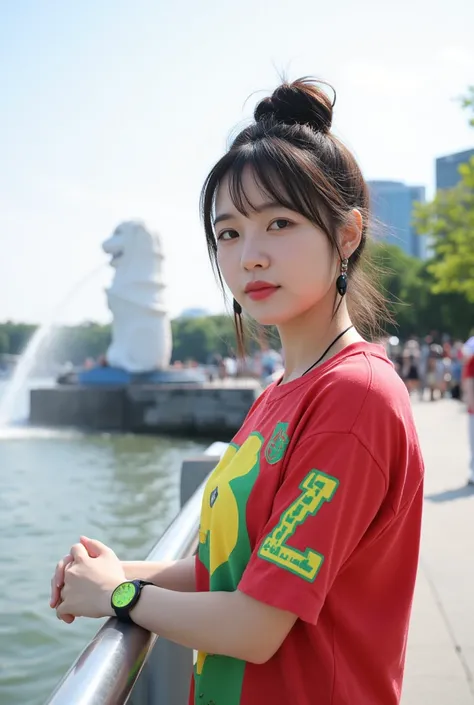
253 257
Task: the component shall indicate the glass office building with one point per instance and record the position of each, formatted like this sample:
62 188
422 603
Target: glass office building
392 205
447 168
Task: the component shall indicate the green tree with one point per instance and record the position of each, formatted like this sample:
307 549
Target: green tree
4 342
447 312
223 339
76 343
193 338
68 343
18 336
407 282
399 279
449 221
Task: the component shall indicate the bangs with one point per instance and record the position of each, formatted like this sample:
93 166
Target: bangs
282 173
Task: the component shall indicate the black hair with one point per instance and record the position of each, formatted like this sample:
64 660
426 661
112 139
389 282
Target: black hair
298 162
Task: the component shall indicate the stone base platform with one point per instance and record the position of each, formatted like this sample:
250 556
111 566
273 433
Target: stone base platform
207 410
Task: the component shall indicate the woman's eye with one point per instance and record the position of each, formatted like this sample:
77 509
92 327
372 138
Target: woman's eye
228 235
280 224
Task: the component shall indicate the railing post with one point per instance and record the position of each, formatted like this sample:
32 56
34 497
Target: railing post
166 676
193 473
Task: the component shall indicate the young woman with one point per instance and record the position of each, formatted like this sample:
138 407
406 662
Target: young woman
302 587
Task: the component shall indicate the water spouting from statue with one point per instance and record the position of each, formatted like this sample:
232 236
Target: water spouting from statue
13 403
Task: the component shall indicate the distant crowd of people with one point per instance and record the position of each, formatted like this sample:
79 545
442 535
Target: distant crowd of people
432 369
265 364
437 369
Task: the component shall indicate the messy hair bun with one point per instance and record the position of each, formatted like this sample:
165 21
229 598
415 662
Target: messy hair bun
302 102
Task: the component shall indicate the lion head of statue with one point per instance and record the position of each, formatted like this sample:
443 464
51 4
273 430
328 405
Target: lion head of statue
136 255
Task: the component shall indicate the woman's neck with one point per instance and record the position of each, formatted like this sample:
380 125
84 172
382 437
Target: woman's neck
304 339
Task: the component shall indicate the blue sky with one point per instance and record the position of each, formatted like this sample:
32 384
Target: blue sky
117 109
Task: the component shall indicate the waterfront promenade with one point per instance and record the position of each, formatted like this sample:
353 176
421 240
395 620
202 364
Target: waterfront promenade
440 663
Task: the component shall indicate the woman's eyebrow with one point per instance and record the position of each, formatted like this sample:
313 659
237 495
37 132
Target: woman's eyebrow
269 205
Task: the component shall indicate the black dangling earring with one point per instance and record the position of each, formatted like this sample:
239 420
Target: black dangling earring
237 308
341 281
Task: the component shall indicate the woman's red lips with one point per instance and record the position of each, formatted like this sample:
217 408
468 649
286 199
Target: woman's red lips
260 290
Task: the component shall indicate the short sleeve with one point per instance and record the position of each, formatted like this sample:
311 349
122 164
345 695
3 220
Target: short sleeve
331 491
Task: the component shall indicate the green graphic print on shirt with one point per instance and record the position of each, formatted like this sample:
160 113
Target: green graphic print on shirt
224 549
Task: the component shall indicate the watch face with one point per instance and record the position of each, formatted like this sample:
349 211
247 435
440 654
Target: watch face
123 594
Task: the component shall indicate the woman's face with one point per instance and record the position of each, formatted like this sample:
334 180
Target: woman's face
276 263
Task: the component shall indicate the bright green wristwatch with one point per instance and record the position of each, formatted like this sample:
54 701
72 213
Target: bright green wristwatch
125 597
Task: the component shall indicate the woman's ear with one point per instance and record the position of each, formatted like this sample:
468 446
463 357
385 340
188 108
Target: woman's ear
351 233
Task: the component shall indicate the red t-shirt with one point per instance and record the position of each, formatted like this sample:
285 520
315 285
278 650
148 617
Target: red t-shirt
315 508
468 373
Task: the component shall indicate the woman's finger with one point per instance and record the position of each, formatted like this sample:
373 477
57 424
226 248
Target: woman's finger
60 568
57 580
68 618
62 615
79 552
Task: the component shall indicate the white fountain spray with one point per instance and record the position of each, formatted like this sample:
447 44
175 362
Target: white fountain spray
16 389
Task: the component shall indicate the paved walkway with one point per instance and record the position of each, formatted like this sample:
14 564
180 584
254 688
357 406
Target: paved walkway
440 662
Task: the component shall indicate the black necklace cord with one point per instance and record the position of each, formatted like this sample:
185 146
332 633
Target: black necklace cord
338 337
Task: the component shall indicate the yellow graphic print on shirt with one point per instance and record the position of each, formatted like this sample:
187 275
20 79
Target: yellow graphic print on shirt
224 546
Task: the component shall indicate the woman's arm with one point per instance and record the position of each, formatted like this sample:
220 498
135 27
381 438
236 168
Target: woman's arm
170 575
226 623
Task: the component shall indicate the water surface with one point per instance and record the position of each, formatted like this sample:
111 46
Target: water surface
54 486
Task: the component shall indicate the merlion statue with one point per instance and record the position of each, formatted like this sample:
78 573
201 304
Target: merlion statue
141 329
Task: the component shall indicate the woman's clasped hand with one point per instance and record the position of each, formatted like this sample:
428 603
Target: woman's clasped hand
84 580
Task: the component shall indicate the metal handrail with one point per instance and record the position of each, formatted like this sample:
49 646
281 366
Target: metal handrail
108 668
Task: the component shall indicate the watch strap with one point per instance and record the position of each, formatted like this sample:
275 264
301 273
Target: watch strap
123 613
